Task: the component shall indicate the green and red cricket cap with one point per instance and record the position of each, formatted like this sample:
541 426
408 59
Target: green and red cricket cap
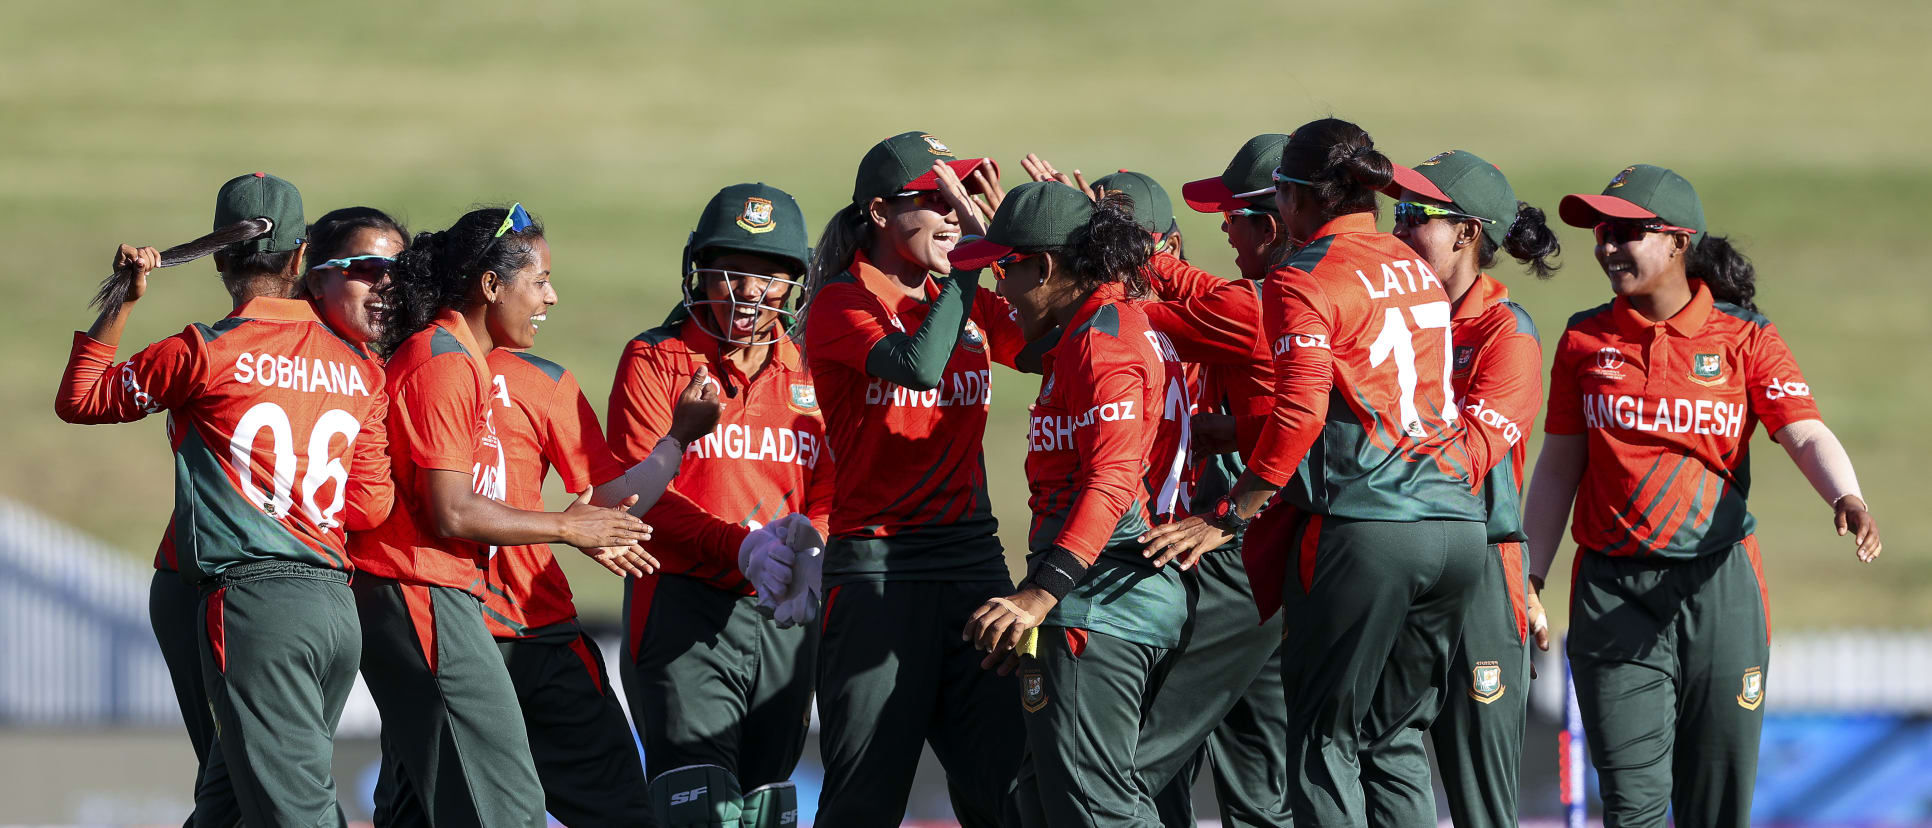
1037 215
1465 181
1249 180
1153 209
263 196
1639 192
903 163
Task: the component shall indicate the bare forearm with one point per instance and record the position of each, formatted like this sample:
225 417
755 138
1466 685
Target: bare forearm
1822 459
1552 491
109 324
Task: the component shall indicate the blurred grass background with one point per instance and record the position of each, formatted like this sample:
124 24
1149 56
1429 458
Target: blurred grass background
1803 126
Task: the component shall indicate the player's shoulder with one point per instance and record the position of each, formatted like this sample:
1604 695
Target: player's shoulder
1514 318
1590 319
1738 316
665 336
527 366
432 351
1310 258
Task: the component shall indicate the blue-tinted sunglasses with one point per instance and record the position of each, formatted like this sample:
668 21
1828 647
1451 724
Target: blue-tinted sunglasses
518 221
365 268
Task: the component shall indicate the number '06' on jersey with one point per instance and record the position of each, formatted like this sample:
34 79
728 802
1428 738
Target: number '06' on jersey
278 433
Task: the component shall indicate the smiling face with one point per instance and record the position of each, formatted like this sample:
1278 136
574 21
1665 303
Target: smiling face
1639 264
520 306
347 301
921 229
745 300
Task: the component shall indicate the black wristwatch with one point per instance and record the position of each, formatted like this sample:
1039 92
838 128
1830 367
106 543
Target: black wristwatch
1225 516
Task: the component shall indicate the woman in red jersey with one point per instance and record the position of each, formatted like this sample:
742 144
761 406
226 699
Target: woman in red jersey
1653 400
1365 444
258 402
1101 620
450 711
721 693
900 355
1458 211
350 253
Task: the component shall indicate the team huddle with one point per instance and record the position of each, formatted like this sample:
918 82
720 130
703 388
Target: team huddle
1280 527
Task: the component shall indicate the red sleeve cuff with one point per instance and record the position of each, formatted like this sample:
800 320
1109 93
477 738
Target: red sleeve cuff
91 348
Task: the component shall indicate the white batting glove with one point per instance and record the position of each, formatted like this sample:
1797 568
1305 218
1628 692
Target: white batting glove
766 561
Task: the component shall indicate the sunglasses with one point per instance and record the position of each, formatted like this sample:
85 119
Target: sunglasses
368 268
928 200
1629 232
1002 263
1240 212
1281 178
1416 214
517 221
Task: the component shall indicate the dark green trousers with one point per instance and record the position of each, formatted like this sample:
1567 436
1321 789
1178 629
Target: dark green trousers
1479 734
1366 661
1221 706
1086 697
174 613
893 674
713 682
450 715
1671 660
579 739
279 648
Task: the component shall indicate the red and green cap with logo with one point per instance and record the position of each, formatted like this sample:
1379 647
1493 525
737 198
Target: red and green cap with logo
260 195
1037 215
1465 181
1642 192
752 218
1247 182
903 164
1153 210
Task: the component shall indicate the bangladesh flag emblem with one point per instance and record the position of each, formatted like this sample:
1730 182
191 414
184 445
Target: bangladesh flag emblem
804 398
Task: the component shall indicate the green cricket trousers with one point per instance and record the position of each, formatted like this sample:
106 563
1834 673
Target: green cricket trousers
279 647
1374 610
451 720
1670 658
1479 735
1221 705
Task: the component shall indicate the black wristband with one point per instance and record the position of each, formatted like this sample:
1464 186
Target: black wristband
1056 571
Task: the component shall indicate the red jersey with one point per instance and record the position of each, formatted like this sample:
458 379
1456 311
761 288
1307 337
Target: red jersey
1668 408
767 458
440 418
1497 373
1216 323
544 423
277 431
911 484
1360 332
1094 427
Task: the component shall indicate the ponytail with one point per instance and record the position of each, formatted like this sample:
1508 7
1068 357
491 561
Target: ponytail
113 290
1342 162
438 271
1112 247
1727 273
1529 241
849 231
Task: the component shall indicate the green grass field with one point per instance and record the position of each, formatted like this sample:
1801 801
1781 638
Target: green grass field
1802 124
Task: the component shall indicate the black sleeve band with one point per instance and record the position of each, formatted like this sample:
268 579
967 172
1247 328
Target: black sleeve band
1056 571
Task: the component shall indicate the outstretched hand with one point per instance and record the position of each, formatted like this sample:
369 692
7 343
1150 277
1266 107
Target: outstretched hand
1853 517
609 535
1183 541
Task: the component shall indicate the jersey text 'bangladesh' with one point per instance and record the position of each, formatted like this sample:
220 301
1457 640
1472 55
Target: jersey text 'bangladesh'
1668 409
